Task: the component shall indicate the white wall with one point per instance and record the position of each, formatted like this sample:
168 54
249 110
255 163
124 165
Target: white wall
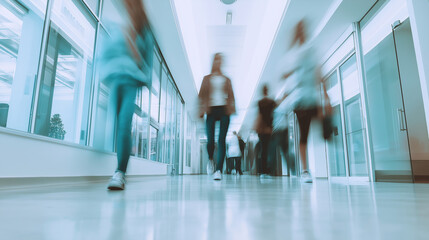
316 151
419 18
26 155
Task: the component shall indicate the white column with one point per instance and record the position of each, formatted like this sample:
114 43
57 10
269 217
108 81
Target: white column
25 73
419 19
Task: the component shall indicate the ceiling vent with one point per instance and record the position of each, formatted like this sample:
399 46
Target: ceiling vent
227 2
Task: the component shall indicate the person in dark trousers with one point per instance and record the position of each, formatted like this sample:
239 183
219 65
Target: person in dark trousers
242 147
216 99
125 66
264 129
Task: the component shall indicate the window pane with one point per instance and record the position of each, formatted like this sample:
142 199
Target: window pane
162 109
154 111
103 121
154 108
93 4
189 129
178 136
172 125
21 31
156 74
111 11
153 145
353 118
142 125
335 147
67 72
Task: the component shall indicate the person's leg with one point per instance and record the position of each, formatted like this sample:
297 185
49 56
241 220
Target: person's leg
238 165
127 95
229 165
210 127
264 140
284 146
224 124
304 120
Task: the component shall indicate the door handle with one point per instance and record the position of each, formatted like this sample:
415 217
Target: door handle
401 119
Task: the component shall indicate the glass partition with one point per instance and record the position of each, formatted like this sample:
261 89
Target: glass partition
354 129
335 147
50 86
63 104
21 28
390 144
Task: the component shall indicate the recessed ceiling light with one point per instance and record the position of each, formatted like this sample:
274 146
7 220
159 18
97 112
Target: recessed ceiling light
228 1
229 17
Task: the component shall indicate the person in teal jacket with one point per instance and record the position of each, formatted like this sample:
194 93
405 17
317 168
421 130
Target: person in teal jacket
125 64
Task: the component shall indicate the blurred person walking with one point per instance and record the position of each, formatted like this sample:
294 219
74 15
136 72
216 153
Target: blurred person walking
216 99
264 129
125 66
280 138
234 154
304 89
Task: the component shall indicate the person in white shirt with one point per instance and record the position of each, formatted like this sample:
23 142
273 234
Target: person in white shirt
303 88
234 154
216 100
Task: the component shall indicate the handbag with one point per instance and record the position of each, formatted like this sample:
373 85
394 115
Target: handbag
328 127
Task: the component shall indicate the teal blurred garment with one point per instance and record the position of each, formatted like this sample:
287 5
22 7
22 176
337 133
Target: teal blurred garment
303 85
116 58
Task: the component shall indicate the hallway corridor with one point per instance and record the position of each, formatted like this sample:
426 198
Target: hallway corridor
196 207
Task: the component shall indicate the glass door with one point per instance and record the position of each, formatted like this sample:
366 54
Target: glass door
346 151
354 127
386 108
390 146
335 147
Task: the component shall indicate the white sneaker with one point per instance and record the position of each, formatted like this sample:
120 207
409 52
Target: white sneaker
265 176
217 175
233 172
117 182
306 177
210 167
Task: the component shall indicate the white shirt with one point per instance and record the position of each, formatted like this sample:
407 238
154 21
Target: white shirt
233 147
302 86
218 96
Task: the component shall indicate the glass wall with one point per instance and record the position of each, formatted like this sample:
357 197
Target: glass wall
387 112
50 86
346 151
335 147
354 129
21 32
63 101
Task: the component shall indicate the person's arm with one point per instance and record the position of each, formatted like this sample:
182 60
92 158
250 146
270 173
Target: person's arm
328 107
231 98
202 95
279 101
287 75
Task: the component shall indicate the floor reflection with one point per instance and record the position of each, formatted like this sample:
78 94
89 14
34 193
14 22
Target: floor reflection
196 207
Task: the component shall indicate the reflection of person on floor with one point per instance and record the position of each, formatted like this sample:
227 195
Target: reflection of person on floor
125 66
234 154
303 88
216 99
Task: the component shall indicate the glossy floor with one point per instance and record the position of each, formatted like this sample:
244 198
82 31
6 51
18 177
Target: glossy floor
196 207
